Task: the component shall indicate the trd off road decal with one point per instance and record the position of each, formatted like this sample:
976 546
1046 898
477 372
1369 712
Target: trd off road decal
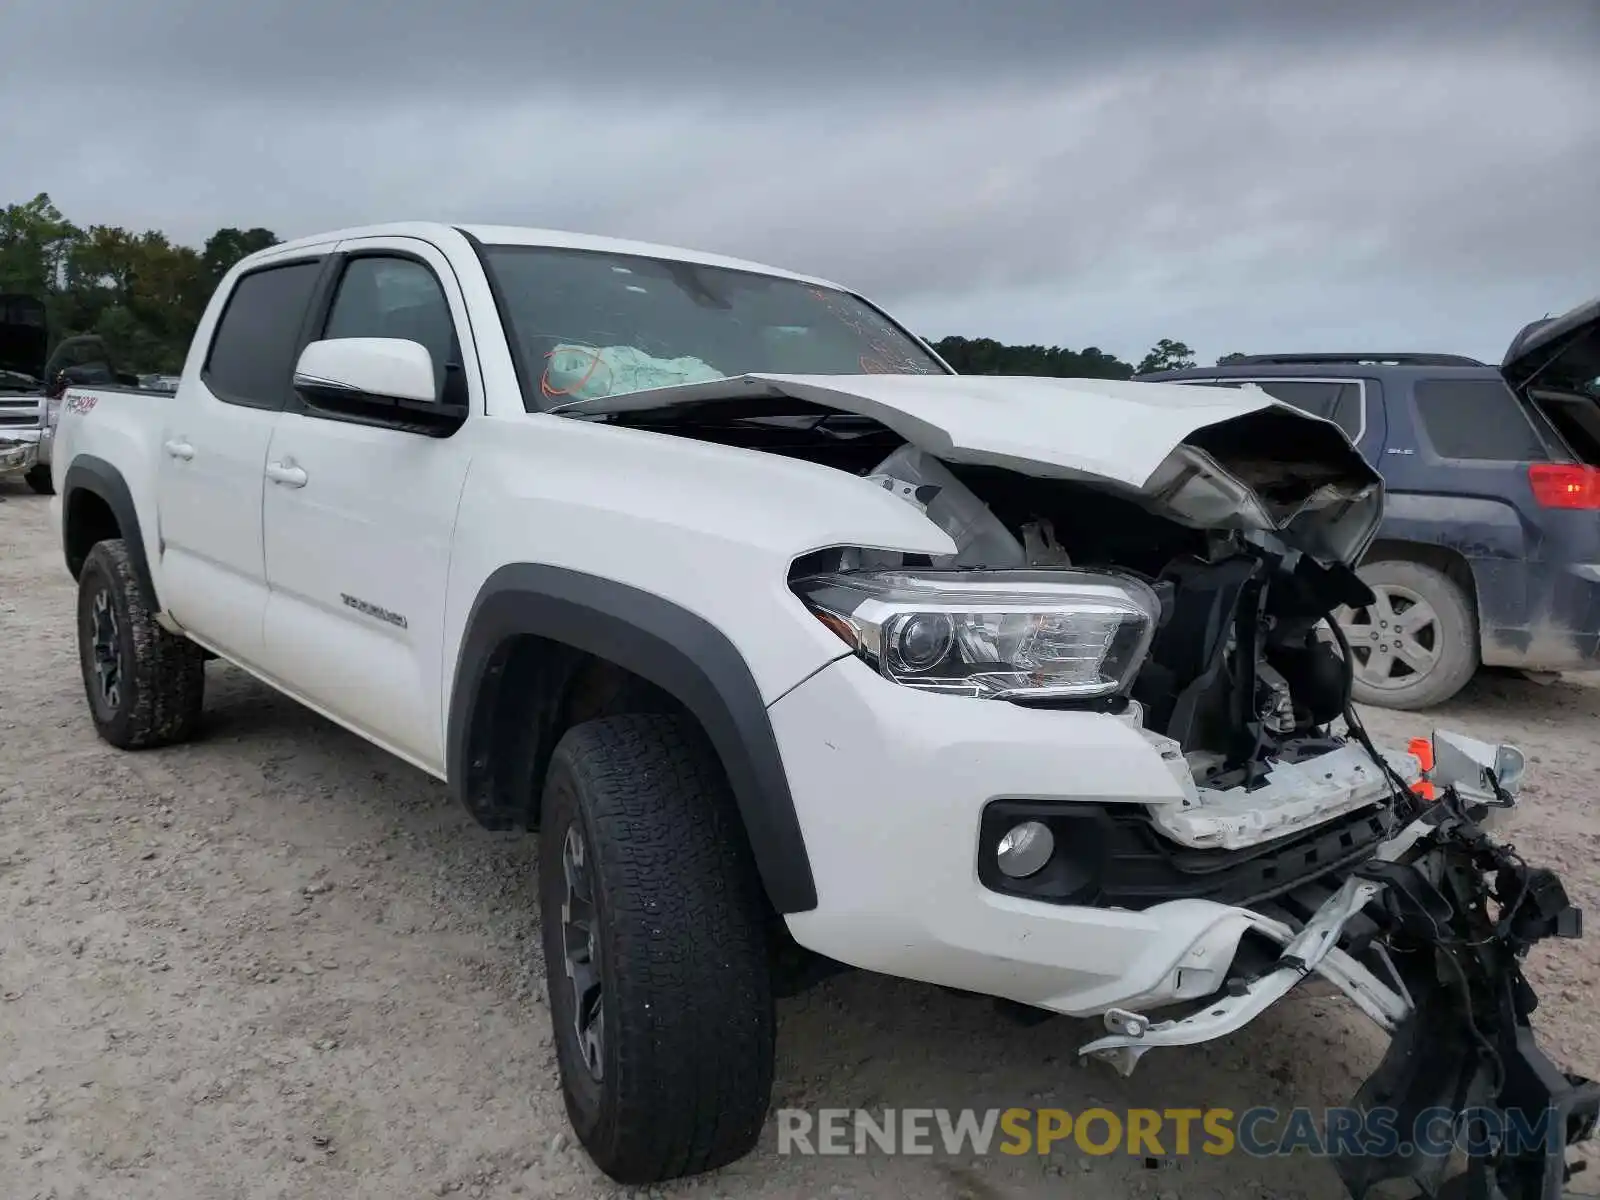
373 610
80 403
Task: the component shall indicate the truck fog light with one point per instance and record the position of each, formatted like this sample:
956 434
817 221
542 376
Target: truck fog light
1025 849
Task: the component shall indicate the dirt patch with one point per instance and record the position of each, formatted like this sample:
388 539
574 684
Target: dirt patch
279 963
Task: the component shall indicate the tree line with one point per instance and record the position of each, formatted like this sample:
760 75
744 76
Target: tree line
985 356
140 292
144 294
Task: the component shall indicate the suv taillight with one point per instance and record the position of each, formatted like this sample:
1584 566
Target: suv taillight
1560 485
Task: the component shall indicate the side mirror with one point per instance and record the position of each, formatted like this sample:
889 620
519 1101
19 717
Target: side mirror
383 379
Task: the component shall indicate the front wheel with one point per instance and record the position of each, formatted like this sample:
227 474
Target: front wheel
38 478
1416 645
655 949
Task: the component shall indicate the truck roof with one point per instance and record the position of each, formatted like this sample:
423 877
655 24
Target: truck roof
517 235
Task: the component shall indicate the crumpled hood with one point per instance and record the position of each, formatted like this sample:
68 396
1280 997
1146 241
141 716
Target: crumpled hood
1209 457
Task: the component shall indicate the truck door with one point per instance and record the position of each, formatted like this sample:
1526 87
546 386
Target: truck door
359 515
212 449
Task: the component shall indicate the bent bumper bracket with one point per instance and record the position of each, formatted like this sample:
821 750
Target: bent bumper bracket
1458 1012
1314 948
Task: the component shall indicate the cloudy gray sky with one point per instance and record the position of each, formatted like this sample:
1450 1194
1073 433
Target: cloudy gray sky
1239 174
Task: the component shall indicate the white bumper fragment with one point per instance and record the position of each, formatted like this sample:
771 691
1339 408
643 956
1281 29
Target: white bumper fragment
1480 772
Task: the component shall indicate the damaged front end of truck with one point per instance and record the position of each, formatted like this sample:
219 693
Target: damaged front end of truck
1226 527
1428 937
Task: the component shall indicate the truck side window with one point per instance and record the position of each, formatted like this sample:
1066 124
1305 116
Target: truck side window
389 297
251 360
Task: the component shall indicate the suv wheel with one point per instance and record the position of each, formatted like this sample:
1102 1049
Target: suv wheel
38 478
1416 645
145 686
655 949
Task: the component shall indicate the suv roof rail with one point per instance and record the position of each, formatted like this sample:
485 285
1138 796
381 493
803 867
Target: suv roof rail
1400 360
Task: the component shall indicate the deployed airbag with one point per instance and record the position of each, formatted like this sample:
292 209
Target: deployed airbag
590 372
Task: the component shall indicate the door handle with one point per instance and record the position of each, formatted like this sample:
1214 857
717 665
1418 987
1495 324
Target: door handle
287 474
178 448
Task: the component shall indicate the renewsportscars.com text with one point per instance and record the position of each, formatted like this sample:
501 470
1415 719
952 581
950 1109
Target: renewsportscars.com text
1150 1132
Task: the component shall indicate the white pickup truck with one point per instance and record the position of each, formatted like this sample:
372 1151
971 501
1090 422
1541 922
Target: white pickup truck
799 649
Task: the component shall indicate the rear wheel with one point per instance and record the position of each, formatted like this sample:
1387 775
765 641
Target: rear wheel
655 949
1416 645
145 686
38 478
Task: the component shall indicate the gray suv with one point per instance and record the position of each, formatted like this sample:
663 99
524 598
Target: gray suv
1489 551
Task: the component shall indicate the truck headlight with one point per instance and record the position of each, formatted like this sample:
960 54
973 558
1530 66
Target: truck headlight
997 635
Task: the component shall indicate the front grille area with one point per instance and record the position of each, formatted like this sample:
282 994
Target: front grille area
14 414
1147 866
1114 857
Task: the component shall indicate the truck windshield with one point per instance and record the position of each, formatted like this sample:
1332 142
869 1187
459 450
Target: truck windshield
589 323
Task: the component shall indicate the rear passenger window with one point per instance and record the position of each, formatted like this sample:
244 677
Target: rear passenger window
1337 400
252 354
1476 419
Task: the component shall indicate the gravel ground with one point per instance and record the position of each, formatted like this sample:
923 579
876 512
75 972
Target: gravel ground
278 963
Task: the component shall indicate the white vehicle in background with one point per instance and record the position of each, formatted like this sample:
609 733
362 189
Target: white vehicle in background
32 385
798 649
24 341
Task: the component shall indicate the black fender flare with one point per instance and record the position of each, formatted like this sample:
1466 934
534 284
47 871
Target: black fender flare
675 650
96 476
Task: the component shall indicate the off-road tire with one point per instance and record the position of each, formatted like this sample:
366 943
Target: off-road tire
160 675
1457 637
38 478
682 949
